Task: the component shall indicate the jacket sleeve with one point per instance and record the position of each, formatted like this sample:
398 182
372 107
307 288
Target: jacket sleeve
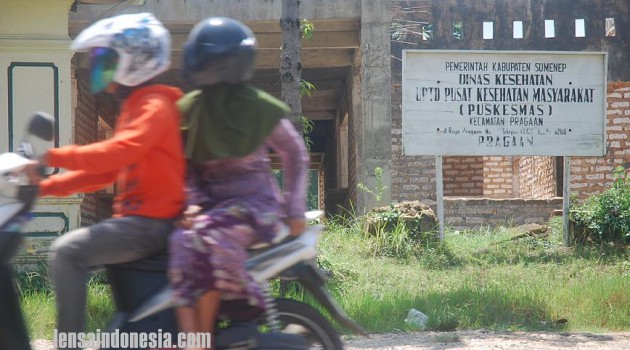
289 145
147 124
76 181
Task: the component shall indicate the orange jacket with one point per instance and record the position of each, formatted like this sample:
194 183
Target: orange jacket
144 156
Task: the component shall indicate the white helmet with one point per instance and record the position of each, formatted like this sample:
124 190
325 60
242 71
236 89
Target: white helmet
126 49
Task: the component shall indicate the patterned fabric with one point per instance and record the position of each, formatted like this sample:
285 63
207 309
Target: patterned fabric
211 255
214 181
243 206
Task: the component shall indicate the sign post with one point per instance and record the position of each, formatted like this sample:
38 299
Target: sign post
566 193
439 195
504 103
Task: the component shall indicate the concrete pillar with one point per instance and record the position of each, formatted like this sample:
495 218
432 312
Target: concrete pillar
35 76
372 113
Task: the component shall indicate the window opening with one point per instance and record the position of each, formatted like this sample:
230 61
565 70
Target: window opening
580 28
517 29
488 30
550 28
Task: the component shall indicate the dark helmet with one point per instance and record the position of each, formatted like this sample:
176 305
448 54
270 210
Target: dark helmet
219 50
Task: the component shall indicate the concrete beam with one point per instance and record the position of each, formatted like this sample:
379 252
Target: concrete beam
324 39
321 115
244 10
270 58
311 58
273 85
345 30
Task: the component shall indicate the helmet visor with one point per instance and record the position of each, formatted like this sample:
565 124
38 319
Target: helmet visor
103 63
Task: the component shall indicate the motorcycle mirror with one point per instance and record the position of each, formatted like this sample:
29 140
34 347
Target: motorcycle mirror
42 125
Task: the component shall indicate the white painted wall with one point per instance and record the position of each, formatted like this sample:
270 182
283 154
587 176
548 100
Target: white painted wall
35 76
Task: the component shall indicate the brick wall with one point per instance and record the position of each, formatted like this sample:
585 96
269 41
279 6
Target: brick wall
497 177
471 213
463 176
86 131
536 177
593 175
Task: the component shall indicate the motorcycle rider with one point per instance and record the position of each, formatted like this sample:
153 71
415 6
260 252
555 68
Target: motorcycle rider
229 127
144 157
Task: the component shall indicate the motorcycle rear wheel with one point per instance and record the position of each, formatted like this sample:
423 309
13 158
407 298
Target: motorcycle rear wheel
317 328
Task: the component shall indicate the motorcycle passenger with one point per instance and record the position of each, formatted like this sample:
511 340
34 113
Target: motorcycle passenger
144 157
228 128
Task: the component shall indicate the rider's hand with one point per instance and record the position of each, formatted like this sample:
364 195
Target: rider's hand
33 171
187 217
296 226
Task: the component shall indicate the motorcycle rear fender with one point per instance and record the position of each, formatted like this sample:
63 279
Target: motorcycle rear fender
273 261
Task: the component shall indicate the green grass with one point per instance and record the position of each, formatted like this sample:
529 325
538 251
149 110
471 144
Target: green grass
481 279
38 304
476 279
39 314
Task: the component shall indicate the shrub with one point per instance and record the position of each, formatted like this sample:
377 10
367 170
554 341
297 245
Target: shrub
605 217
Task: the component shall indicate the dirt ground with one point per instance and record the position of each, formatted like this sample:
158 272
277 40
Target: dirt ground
478 340
468 340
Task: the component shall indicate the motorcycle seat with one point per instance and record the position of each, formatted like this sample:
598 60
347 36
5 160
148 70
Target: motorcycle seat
155 263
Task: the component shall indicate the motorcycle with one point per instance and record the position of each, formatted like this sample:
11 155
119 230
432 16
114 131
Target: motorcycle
17 197
141 292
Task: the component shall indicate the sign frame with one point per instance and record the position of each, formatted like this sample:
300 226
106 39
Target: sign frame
436 140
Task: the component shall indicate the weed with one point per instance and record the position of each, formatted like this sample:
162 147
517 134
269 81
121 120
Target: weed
605 217
377 192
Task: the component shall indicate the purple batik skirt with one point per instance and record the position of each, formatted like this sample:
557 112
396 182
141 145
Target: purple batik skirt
210 256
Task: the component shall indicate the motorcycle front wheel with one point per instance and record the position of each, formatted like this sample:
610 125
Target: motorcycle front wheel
295 316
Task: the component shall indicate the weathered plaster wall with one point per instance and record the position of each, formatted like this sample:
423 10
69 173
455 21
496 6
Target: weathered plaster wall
35 75
51 18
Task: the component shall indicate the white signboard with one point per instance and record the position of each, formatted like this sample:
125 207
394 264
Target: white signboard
504 103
